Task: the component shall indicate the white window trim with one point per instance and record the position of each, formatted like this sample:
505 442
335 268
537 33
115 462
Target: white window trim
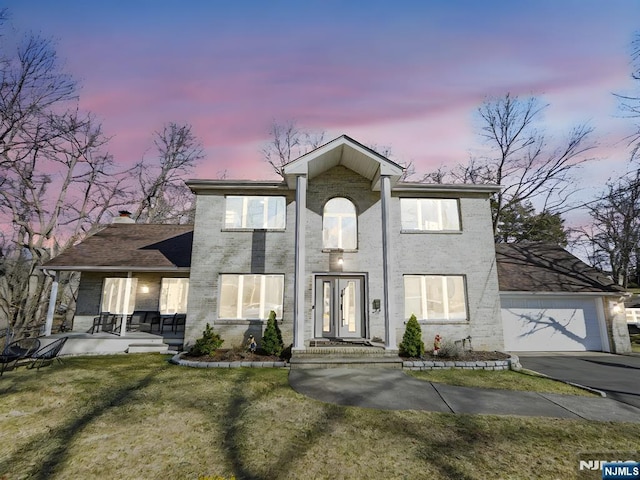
424 314
125 294
419 227
339 216
183 286
265 212
240 293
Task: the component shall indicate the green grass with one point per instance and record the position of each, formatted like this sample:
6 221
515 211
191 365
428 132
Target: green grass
635 342
507 379
138 417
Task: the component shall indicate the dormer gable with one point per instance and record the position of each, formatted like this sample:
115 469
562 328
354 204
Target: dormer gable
349 153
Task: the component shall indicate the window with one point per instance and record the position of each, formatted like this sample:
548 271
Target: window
430 214
173 295
339 225
255 212
250 296
435 297
118 293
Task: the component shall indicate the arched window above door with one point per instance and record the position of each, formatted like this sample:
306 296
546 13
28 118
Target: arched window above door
339 225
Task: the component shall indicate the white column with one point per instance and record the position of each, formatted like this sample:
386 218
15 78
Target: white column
53 295
125 306
300 254
389 323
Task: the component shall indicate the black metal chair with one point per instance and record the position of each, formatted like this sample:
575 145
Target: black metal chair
16 351
48 353
168 320
180 320
98 321
152 319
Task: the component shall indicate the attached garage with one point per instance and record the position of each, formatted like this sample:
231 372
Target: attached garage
553 323
552 301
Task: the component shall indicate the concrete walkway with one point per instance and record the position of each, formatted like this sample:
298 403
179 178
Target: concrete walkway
390 389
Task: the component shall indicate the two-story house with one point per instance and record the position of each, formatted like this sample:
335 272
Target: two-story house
343 252
342 249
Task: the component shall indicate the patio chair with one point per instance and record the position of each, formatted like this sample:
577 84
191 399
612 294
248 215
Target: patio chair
181 319
136 321
16 351
98 321
167 320
111 324
152 319
48 353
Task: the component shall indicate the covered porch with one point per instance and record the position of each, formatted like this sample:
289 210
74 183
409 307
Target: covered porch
133 289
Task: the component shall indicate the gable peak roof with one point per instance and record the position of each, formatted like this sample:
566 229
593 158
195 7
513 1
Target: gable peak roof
347 152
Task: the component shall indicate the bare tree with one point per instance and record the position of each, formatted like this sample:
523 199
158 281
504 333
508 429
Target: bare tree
524 165
164 198
615 231
288 142
521 159
56 184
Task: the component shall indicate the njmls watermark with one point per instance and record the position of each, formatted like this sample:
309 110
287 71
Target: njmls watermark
609 466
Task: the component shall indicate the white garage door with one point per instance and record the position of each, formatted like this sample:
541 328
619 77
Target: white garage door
550 323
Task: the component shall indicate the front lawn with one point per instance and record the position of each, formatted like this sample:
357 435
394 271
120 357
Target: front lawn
635 342
138 417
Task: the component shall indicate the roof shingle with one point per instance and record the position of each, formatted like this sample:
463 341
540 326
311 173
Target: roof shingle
539 267
130 247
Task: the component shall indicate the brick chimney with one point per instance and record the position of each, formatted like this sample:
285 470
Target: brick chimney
123 217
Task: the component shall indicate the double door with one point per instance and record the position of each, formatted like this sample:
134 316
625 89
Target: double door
339 306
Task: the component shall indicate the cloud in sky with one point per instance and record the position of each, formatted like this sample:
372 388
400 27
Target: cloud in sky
406 74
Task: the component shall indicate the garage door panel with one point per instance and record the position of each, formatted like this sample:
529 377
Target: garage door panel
559 324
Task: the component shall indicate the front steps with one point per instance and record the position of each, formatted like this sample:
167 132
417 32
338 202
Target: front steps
148 348
347 355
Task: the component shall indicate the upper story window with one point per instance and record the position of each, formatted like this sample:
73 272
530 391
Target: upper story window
430 214
253 212
339 224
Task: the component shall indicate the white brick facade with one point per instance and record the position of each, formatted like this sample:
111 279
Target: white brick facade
469 253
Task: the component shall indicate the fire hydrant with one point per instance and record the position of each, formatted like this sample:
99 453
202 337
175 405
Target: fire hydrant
436 344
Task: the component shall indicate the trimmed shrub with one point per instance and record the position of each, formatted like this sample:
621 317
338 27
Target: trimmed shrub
412 344
272 343
207 344
451 349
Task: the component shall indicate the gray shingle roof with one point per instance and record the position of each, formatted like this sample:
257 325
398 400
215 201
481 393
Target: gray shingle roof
538 267
123 246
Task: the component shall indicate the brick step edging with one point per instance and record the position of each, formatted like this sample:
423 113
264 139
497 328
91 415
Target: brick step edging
512 363
178 360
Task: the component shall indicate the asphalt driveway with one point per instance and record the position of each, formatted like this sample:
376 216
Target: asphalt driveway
616 375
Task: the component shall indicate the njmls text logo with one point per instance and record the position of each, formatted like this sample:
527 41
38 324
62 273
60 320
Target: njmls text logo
609 465
624 471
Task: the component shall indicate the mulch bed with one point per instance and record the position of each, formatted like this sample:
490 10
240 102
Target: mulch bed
479 356
223 355
234 356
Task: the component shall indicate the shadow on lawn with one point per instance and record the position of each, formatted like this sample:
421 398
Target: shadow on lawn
297 447
466 436
55 441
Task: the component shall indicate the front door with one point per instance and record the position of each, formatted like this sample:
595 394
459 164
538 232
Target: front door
339 306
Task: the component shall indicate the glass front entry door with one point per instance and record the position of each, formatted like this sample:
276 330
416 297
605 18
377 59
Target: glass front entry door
338 306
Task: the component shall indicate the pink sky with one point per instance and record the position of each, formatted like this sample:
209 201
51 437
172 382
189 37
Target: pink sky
407 74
